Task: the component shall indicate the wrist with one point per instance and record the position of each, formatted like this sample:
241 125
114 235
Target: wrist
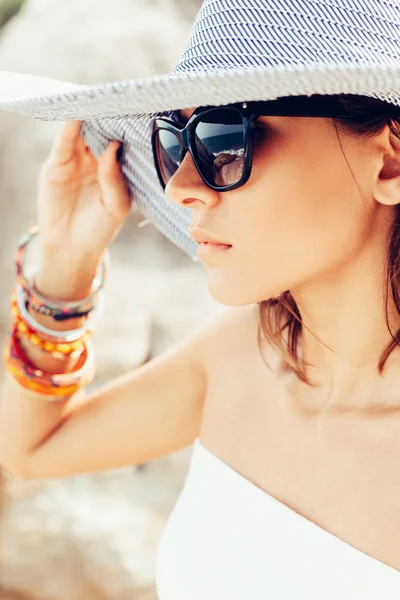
61 282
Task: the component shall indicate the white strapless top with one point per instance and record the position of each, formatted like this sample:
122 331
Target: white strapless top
227 539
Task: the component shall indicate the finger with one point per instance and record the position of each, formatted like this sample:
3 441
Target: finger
65 143
112 180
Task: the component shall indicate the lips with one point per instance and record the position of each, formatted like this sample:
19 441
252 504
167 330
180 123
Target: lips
209 249
216 244
203 237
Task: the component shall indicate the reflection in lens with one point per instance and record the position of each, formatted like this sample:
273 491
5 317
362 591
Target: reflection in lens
168 153
228 168
219 143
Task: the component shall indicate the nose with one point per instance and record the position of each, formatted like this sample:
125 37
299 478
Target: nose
186 188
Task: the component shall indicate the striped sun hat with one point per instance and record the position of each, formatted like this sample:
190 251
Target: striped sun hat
238 50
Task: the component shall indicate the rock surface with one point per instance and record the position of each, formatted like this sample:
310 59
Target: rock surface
94 537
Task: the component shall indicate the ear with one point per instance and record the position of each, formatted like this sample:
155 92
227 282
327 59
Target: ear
387 184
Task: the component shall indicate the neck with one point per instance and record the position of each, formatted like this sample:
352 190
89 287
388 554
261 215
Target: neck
344 335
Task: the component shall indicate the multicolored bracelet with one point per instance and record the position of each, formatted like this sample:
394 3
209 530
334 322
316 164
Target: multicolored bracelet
19 308
56 349
55 386
73 343
57 309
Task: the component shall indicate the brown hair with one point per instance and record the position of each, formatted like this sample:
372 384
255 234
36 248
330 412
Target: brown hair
278 314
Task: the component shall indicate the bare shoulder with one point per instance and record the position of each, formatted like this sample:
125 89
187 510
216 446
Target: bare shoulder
231 330
237 378
236 357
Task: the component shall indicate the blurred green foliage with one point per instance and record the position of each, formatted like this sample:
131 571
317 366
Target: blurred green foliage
9 8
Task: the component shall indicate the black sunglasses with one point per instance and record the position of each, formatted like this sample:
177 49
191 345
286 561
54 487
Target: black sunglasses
220 139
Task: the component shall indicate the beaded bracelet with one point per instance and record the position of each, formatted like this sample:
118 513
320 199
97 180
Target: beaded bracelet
59 310
57 385
56 350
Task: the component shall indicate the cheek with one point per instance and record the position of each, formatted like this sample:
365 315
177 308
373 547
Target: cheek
293 222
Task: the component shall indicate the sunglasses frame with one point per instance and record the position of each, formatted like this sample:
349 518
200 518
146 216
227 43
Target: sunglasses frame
306 106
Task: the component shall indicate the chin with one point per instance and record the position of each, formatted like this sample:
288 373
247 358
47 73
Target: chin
234 293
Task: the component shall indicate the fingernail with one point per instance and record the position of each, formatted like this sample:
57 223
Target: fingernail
119 153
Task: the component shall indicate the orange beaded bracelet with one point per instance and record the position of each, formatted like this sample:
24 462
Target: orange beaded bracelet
57 350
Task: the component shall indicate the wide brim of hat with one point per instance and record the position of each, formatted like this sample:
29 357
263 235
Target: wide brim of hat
124 111
51 99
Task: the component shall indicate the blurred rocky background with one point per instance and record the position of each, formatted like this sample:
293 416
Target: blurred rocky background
94 537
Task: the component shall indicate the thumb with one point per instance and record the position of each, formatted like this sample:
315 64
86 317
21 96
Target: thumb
112 182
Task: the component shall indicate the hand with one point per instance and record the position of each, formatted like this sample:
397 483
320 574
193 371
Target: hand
82 201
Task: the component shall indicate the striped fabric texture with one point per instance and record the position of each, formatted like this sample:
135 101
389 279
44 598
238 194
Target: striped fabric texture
238 50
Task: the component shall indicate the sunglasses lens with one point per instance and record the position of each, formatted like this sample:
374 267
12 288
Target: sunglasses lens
219 146
168 153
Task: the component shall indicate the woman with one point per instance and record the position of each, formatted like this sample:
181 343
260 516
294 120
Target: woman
290 396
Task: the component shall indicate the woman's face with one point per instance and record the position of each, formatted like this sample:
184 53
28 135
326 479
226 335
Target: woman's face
299 217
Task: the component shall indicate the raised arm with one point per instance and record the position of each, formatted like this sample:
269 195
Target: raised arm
82 204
